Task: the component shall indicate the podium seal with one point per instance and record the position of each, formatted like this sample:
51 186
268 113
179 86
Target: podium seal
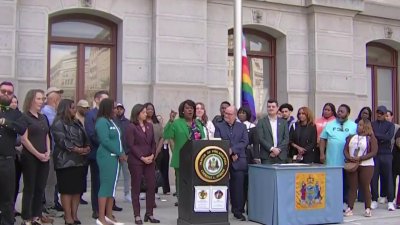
211 164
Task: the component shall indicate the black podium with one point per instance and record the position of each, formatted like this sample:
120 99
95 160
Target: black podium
204 176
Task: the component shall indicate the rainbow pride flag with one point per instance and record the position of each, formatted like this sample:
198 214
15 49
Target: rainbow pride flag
247 84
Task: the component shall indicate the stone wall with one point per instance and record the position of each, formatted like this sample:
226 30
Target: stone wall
171 50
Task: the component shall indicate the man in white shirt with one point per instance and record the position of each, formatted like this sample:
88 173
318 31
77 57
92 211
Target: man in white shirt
273 133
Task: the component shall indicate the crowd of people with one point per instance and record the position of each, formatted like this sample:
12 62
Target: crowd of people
53 142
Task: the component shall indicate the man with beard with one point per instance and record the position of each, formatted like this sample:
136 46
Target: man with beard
11 124
333 140
236 132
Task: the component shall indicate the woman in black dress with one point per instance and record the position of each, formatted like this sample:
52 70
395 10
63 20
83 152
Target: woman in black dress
303 137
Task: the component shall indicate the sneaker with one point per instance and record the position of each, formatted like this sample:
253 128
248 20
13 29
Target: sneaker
128 198
348 212
142 196
382 200
368 212
345 206
43 219
26 222
374 205
52 212
391 206
157 196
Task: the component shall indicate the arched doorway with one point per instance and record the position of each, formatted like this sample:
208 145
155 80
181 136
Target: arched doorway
261 54
382 67
82 55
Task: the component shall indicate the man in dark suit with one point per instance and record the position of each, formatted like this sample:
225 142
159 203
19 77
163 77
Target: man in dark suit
273 134
90 121
236 132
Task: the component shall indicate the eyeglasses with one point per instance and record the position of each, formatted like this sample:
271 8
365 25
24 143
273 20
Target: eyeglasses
380 113
6 92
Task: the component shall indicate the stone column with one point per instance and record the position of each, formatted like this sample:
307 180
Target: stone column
31 47
331 52
8 27
179 52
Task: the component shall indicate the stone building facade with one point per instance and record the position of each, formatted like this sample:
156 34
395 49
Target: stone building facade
166 51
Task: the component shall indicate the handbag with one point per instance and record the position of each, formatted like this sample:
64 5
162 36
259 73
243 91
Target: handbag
353 166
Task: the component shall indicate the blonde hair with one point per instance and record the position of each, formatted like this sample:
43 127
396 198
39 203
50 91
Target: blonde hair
367 129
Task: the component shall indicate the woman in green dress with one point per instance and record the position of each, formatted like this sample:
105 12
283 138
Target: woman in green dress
109 154
185 128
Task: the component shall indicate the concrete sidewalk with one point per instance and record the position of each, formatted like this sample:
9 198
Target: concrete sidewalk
168 213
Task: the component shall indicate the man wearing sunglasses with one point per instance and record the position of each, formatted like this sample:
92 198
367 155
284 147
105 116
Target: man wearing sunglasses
10 125
384 131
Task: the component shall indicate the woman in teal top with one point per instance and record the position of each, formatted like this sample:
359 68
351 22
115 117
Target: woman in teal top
185 128
109 154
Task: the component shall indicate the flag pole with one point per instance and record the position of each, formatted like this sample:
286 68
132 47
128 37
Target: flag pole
238 53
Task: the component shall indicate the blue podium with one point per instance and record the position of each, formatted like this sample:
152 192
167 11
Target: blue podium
295 194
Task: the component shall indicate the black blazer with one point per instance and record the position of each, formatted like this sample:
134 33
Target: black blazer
253 149
306 137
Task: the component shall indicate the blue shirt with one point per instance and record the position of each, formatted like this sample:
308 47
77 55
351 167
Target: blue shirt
50 113
335 134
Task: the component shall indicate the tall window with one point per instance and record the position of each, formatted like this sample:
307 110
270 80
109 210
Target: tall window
261 53
82 55
382 67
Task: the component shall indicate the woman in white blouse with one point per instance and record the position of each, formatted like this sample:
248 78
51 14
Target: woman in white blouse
361 148
201 115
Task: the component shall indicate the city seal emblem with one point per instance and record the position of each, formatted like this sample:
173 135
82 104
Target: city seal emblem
211 164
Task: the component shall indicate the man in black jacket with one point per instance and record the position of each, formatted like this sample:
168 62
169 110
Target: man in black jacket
384 131
122 122
11 124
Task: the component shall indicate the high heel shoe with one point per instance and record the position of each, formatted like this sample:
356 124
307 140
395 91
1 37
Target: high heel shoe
98 222
138 220
150 218
112 221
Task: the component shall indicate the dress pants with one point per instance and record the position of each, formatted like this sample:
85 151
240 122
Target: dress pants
236 187
35 175
164 169
95 182
7 188
148 173
50 190
383 171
